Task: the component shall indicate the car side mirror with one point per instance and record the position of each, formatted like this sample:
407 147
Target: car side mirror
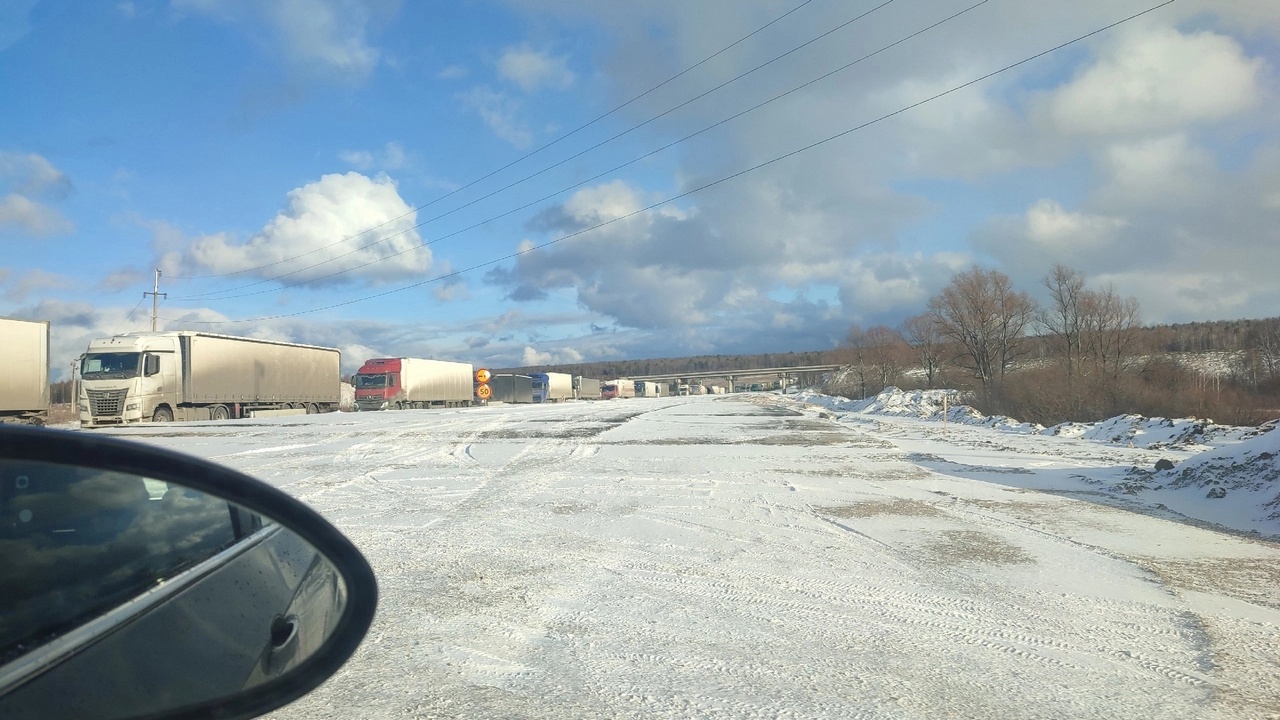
139 582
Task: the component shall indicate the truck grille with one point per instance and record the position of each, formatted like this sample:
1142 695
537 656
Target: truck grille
106 402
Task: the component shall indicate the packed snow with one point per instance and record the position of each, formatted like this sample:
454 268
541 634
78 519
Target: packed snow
756 555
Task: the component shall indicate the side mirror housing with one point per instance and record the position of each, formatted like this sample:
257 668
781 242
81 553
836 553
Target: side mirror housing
139 582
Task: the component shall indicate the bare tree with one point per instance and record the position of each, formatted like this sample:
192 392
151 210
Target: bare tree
980 310
1110 325
885 349
858 342
923 335
1062 319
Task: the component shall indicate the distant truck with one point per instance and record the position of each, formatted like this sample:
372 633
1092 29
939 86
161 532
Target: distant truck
413 383
510 388
551 387
167 376
647 389
585 388
24 371
620 388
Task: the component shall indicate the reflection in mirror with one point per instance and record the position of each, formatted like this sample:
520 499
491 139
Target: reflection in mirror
128 594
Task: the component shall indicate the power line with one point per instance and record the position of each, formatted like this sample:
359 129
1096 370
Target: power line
205 297
700 188
518 160
224 292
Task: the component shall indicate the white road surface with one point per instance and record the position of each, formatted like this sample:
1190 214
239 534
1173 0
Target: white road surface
749 556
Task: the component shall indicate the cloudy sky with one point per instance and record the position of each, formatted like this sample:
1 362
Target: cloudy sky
514 182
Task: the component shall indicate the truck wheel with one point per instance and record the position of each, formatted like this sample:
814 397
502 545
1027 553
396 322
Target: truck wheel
312 409
220 412
162 415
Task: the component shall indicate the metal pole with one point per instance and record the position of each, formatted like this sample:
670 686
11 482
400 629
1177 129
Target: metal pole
155 299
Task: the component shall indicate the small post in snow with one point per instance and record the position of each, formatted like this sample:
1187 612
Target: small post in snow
944 410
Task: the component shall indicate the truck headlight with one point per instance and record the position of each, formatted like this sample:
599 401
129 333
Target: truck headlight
131 406
84 407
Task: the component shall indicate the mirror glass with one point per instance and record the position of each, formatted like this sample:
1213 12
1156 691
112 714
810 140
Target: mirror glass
122 595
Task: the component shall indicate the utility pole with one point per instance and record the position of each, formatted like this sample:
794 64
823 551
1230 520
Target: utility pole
155 299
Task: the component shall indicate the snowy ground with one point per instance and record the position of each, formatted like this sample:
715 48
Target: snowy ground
755 556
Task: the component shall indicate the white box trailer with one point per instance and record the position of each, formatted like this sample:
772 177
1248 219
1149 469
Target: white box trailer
647 389
620 388
24 370
166 376
551 386
585 388
403 383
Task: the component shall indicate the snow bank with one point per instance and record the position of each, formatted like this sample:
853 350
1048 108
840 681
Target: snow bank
1125 430
924 404
347 397
1152 433
1246 473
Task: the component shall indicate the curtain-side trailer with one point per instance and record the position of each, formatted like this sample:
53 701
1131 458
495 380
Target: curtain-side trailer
167 376
24 371
585 388
510 388
404 383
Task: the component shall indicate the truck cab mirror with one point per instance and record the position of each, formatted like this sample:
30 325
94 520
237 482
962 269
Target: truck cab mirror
151 365
139 582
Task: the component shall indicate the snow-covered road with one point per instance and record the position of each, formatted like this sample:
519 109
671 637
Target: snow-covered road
750 556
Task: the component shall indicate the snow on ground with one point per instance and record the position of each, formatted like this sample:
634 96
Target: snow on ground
756 556
1219 474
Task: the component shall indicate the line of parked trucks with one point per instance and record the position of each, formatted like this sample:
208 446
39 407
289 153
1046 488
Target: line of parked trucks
185 376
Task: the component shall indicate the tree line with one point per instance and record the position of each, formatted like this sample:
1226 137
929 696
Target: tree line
1082 355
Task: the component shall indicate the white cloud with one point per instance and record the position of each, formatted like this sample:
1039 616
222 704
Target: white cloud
30 180
360 159
533 70
311 229
1156 171
452 72
559 356
1158 80
392 157
327 38
500 113
32 217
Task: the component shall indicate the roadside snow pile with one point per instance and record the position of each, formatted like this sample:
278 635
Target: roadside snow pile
831 402
923 404
1151 433
347 397
1250 467
1125 430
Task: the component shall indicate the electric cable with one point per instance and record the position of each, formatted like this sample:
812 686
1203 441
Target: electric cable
700 188
206 297
526 156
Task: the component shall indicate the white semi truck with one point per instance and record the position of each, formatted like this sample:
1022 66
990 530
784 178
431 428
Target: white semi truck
24 371
167 376
551 386
405 383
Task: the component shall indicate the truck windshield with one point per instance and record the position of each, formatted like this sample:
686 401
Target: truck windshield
97 366
371 381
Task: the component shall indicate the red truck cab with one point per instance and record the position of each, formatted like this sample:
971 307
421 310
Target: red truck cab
378 385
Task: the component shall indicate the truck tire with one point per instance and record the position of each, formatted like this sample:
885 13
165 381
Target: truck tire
312 409
162 415
220 412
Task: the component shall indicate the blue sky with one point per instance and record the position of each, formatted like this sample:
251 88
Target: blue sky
237 144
